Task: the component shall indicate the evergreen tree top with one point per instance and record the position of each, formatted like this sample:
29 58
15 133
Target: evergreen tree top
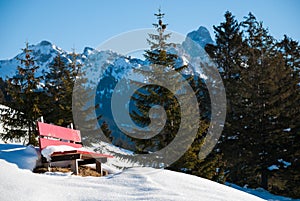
160 37
28 60
159 14
26 49
160 24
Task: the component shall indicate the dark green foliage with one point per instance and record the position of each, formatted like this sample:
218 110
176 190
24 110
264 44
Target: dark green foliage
106 131
229 46
3 87
59 83
84 109
260 76
2 99
24 106
290 50
58 87
162 63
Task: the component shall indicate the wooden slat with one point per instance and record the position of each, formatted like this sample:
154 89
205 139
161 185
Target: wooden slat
58 132
84 154
93 154
65 157
44 142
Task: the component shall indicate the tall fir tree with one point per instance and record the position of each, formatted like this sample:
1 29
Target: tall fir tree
84 107
227 55
289 177
3 87
24 106
263 101
291 52
58 86
161 62
270 98
75 66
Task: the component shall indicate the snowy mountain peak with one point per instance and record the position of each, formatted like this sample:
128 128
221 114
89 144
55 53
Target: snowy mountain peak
201 36
87 51
43 53
45 43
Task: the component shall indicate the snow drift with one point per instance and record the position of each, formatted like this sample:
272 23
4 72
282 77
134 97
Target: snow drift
18 182
132 184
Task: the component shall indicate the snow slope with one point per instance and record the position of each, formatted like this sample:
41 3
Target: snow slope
262 193
25 157
139 183
132 184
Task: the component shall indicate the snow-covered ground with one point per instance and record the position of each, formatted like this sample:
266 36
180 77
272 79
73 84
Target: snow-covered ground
139 183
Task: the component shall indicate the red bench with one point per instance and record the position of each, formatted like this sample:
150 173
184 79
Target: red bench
51 135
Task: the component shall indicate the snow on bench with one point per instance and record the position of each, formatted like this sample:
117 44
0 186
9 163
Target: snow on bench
63 144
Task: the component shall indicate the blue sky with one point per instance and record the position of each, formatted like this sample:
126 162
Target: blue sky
81 23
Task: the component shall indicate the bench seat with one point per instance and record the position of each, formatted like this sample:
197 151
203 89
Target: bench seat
51 135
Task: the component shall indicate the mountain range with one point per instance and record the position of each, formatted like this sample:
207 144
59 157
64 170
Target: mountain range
116 67
45 51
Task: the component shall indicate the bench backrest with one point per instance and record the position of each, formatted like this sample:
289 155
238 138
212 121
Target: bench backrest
56 135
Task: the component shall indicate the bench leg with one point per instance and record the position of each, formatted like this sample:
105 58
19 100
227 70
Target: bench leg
98 167
74 166
49 167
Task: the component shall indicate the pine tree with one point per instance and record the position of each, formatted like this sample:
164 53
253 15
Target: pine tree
263 101
290 176
161 62
84 108
58 86
227 55
148 96
270 98
75 67
2 99
2 91
291 53
24 107
106 131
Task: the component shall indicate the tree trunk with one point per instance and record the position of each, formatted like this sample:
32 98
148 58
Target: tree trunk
264 179
29 135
